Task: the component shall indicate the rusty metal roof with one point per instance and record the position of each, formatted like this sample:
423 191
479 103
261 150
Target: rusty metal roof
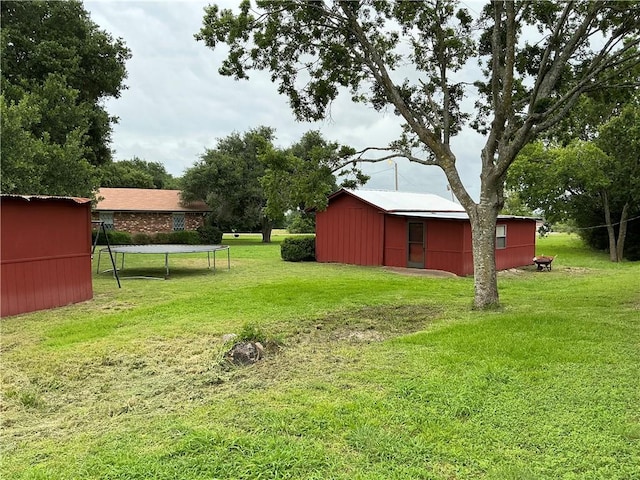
145 200
30 198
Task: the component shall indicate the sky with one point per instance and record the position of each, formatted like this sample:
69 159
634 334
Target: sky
176 104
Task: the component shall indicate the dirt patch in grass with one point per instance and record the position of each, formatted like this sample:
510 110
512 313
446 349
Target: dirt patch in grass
529 270
516 272
576 270
421 272
374 323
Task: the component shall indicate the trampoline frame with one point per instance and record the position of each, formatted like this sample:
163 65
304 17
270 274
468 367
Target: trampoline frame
165 250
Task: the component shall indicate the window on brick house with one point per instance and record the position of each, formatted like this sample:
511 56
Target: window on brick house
107 219
501 236
178 222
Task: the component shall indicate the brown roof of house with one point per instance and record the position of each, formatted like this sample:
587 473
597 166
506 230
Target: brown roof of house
145 200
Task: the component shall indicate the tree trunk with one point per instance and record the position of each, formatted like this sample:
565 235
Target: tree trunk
613 255
622 232
267 226
483 239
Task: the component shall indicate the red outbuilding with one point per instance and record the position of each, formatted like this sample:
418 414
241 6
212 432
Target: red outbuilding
399 229
45 252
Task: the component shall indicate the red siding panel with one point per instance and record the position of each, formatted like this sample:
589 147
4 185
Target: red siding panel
467 251
395 241
520 250
521 244
444 245
45 254
349 232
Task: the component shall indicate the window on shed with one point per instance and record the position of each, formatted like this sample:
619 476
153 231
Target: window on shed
178 222
107 219
501 236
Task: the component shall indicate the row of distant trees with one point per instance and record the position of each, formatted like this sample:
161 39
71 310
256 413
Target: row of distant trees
576 97
586 171
593 183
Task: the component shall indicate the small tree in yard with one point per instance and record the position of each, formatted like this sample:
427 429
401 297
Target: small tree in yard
409 56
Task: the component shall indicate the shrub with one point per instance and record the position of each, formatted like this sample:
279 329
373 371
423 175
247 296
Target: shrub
210 235
115 237
298 249
632 252
141 238
252 333
544 229
185 237
160 238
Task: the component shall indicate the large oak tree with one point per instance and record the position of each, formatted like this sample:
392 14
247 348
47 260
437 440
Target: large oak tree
228 177
250 184
137 173
537 59
300 178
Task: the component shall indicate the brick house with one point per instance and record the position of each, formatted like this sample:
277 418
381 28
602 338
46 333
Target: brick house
142 210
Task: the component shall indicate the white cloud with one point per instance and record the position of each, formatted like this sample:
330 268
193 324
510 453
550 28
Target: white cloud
177 104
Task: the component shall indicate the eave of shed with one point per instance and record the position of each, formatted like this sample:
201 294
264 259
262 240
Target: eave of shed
31 198
451 215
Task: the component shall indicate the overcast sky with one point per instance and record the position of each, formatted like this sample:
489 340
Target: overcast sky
177 105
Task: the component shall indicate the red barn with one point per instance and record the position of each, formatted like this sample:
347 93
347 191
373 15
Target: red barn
399 229
45 252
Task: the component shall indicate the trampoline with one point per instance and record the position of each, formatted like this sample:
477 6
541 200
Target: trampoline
166 250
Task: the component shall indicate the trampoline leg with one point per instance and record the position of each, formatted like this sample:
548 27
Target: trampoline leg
228 259
209 259
98 267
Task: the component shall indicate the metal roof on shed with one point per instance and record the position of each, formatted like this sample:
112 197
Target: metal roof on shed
418 205
407 202
29 198
447 215
451 215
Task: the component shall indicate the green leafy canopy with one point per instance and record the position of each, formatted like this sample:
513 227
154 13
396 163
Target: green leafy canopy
57 68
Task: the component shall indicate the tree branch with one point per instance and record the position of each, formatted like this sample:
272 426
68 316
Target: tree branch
379 71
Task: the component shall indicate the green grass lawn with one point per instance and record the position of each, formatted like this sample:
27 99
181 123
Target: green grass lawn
368 375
